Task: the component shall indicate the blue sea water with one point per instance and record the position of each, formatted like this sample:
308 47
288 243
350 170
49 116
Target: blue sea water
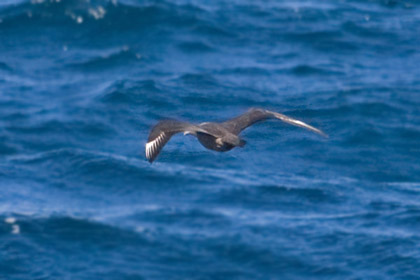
82 82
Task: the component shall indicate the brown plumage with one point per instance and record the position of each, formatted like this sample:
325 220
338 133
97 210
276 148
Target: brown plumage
219 137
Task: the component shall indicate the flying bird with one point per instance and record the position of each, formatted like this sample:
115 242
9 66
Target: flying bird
220 137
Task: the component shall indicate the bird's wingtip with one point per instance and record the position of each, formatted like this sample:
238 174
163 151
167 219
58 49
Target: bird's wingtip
149 159
323 134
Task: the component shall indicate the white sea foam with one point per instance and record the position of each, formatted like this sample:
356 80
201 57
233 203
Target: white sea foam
10 220
98 12
15 229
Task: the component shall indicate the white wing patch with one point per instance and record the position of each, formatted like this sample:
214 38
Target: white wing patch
152 147
310 127
299 123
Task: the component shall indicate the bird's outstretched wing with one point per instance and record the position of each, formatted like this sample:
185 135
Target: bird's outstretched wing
162 132
236 125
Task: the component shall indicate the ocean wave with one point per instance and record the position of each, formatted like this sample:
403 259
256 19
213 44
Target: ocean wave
369 32
128 91
201 81
141 95
92 242
186 218
114 14
303 70
4 66
100 167
6 149
212 29
275 197
109 61
84 81
324 41
61 126
251 71
193 47
74 231
409 218
413 187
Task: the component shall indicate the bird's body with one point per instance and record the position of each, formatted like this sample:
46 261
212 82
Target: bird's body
220 137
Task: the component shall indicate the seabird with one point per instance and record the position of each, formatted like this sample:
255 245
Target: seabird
219 137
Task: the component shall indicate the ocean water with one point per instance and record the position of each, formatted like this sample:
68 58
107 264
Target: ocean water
82 82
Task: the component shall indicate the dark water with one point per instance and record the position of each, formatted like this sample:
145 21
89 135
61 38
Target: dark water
82 82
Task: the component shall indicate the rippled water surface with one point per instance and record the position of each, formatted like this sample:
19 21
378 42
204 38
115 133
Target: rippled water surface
82 82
